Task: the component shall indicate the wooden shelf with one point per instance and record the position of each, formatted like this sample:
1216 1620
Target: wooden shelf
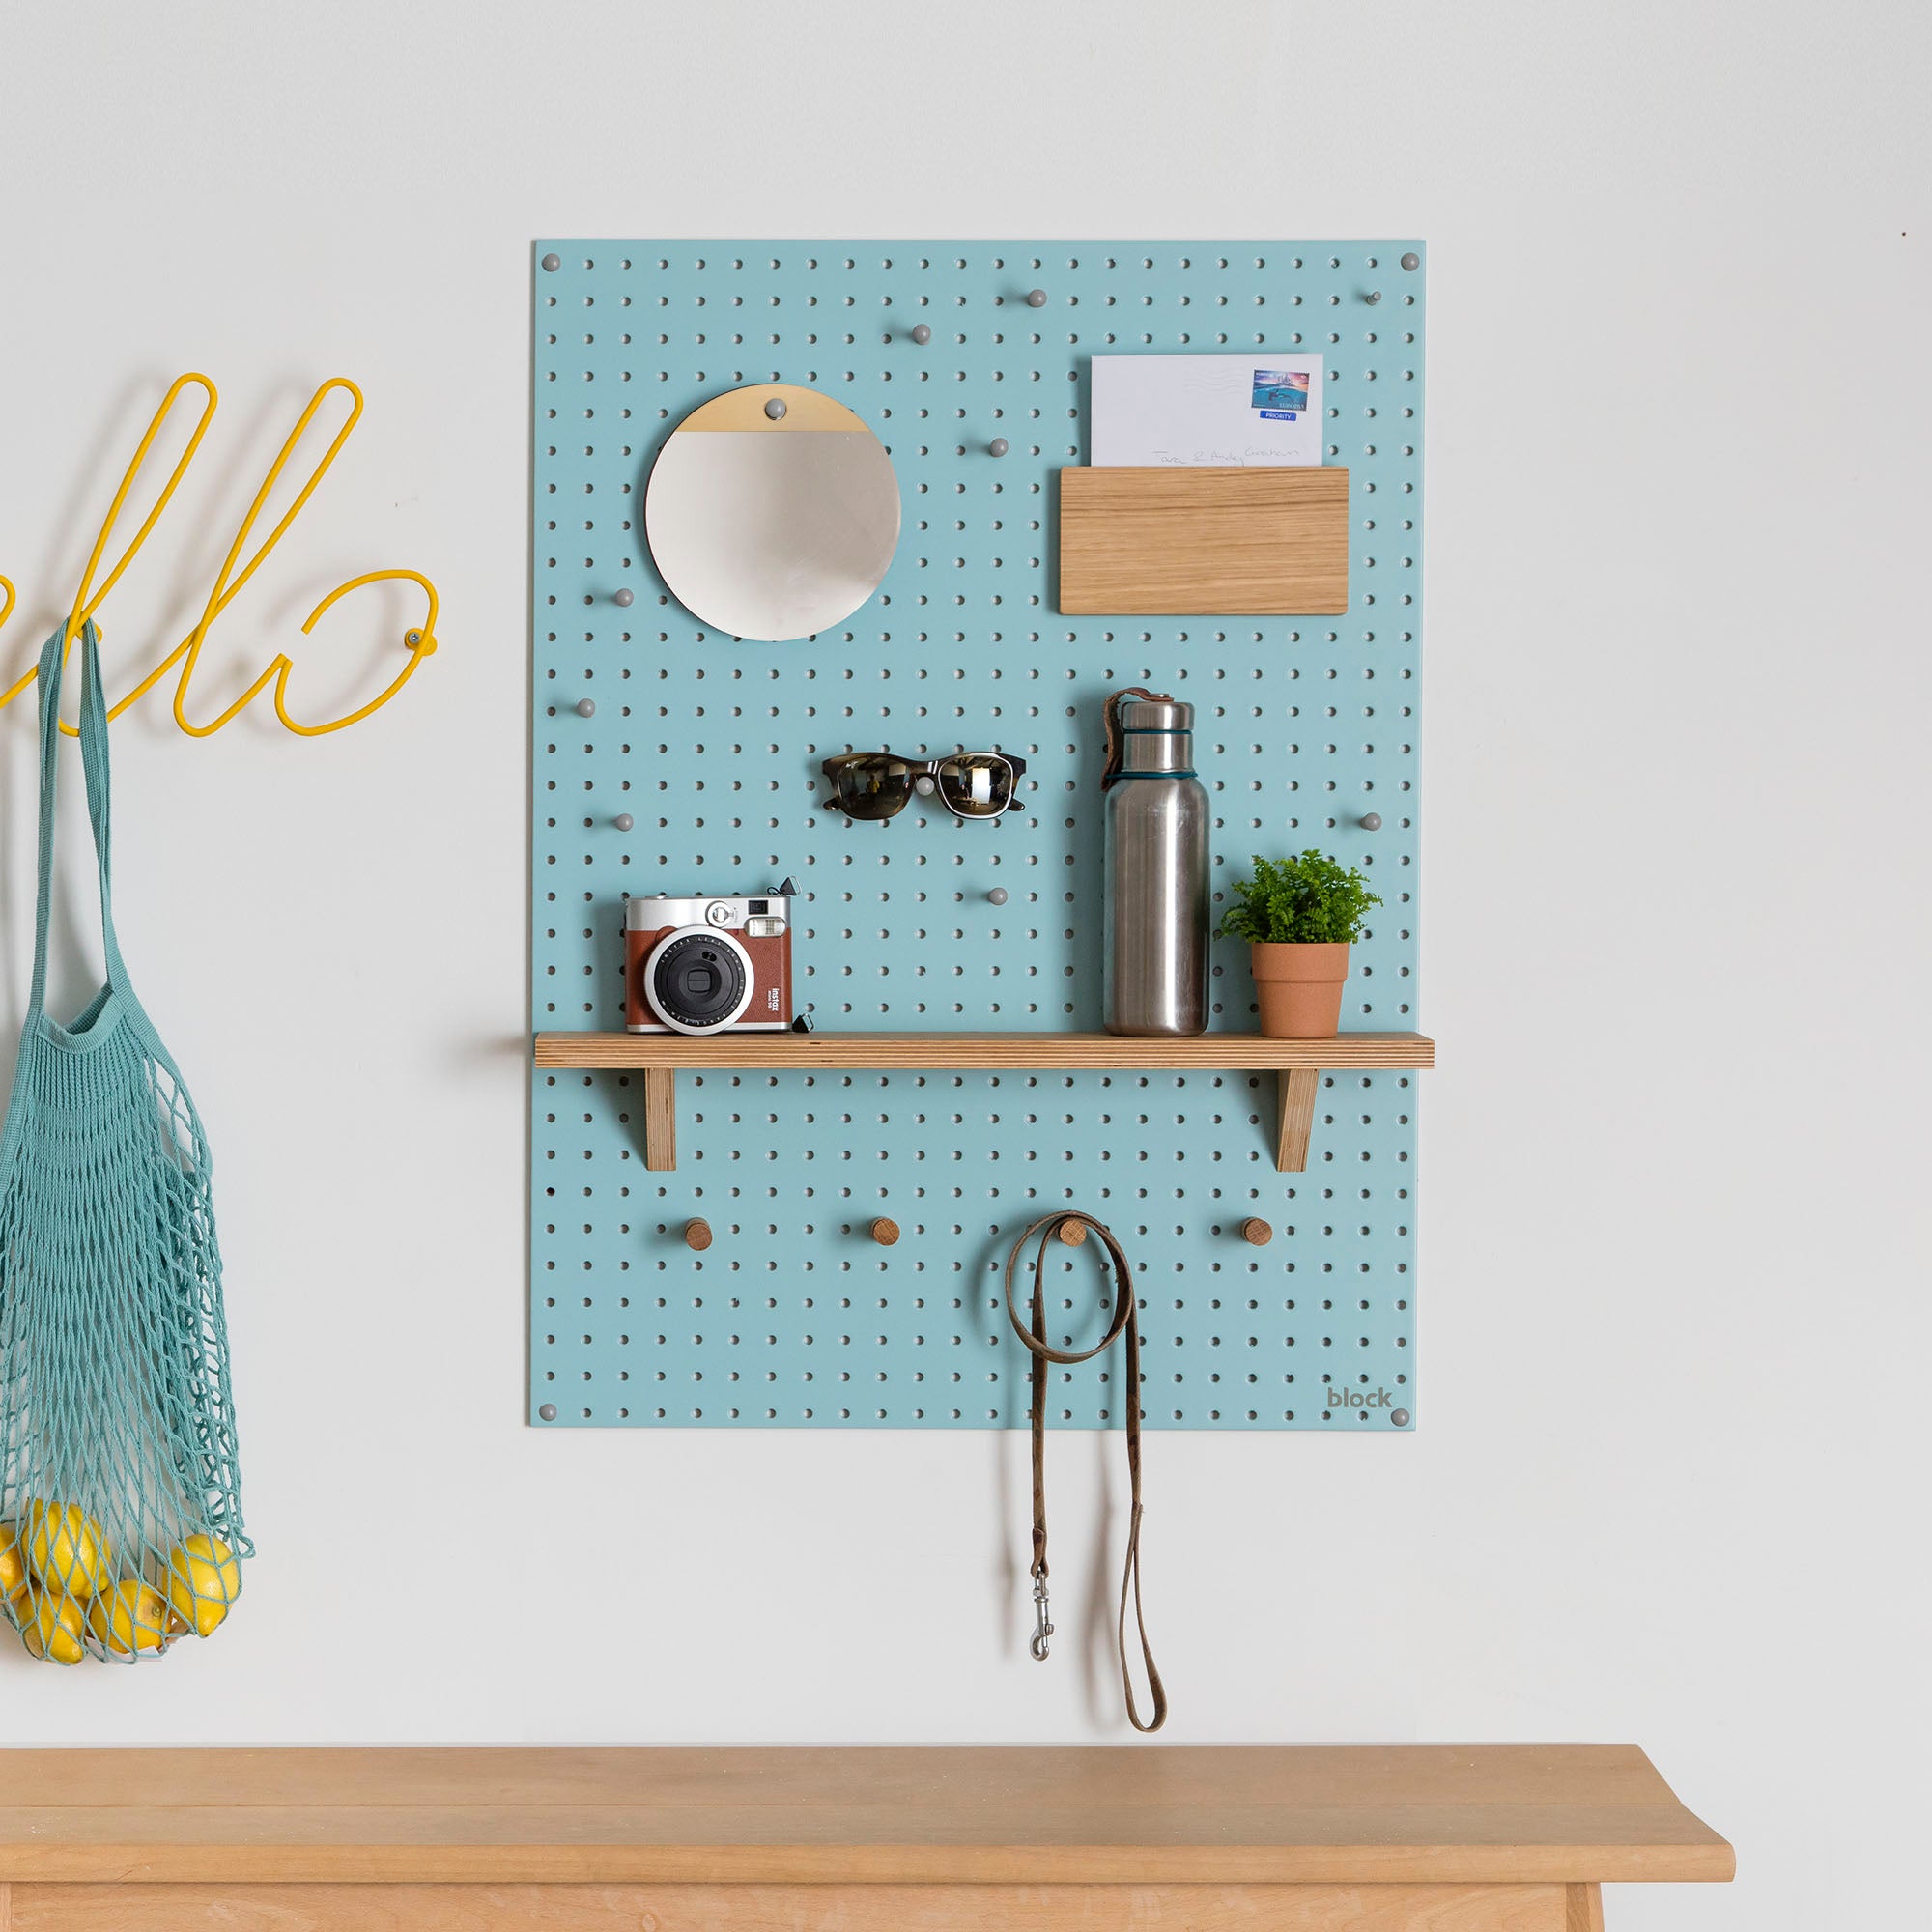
1300 1064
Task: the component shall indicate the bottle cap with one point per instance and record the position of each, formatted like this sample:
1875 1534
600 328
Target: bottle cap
1156 714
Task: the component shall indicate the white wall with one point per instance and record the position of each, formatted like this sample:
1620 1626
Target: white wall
1670 1486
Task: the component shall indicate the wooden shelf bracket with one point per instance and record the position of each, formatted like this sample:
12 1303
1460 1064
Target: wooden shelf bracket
661 1118
1295 1119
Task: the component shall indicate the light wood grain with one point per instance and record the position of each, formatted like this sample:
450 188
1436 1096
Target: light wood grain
6 1907
1463 1844
1053 1778
591 1908
1583 1908
660 1119
1189 1815
970 1052
1298 1089
743 410
1204 542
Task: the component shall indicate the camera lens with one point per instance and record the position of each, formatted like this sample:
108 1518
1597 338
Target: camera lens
699 982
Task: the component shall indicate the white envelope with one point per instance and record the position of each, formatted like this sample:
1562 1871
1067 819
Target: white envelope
1261 407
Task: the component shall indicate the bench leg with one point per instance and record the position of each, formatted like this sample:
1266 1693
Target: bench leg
1584 1908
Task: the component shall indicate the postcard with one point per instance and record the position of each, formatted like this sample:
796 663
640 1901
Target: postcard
1263 407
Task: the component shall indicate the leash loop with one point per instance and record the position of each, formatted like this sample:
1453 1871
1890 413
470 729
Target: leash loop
1125 1321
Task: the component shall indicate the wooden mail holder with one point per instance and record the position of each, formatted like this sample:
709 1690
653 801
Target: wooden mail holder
1188 542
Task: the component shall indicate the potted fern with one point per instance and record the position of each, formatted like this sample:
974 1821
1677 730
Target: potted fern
1300 916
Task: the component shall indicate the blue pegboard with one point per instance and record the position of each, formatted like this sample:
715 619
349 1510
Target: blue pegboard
795 1316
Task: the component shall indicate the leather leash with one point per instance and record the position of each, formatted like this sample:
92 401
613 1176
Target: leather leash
1125 1321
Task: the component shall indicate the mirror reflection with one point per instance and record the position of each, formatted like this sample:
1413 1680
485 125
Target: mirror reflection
773 512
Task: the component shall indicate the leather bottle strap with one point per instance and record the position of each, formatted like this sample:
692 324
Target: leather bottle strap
1125 1321
1110 770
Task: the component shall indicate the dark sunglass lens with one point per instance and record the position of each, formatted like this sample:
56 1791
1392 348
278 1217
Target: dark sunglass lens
873 787
976 784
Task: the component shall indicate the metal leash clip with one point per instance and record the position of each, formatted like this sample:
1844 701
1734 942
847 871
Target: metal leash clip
1043 1627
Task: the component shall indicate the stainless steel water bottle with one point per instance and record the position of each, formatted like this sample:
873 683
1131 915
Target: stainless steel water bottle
1154 964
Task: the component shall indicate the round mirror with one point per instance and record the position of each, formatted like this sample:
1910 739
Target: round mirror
772 512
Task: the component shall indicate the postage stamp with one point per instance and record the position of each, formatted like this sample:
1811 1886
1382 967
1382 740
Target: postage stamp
1280 395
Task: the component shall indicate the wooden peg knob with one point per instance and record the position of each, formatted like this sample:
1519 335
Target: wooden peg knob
697 1234
1072 1233
885 1231
1257 1232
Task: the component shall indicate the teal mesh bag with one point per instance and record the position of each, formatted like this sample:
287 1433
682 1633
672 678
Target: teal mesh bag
120 1497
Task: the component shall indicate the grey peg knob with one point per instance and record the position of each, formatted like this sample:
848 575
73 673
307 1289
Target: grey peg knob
998 447
623 599
623 821
1372 821
1373 296
553 263
997 896
1037 299
1400 1417
1411 263
776 407
548 1411
585 708
921 332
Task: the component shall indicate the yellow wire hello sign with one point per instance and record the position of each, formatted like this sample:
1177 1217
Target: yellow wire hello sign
234 573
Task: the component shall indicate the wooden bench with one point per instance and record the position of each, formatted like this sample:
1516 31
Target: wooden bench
1189 1838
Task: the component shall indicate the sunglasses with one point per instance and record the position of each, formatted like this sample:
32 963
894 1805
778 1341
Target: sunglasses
970 784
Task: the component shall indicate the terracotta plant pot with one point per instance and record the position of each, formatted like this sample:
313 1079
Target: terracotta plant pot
1300 988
